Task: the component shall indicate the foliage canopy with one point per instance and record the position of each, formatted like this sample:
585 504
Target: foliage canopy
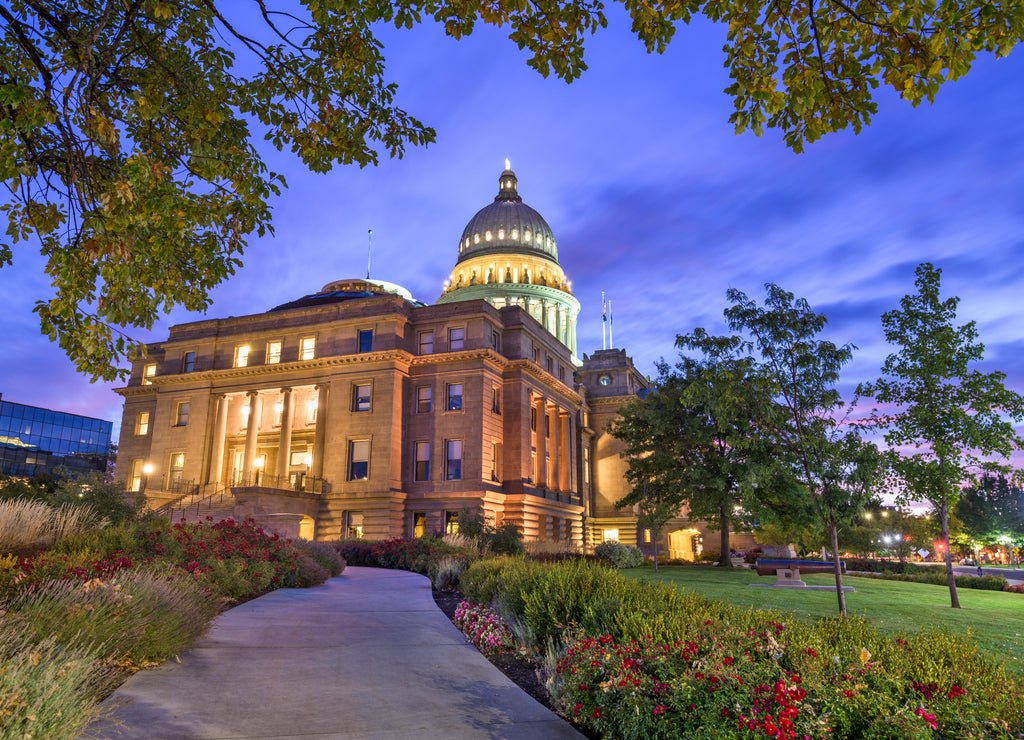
126 127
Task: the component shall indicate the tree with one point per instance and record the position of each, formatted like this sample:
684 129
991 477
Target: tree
126 128
688 441
822 454
992 511
943 421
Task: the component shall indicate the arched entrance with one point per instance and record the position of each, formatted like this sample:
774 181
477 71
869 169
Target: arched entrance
307 528
684 544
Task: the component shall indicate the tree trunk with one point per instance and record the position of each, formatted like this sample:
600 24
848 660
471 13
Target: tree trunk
833 535
724 558
655 538
954 599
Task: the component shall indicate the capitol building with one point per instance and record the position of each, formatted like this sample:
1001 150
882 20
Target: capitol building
358 411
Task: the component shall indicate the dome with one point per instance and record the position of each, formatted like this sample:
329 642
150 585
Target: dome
507 226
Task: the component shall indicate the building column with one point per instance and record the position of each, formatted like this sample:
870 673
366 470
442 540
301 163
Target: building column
558 322
571 453
219 433
544 313
542 442
320 436
556 448
284 447
251 432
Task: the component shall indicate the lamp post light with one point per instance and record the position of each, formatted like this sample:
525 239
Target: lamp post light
146 470
258 464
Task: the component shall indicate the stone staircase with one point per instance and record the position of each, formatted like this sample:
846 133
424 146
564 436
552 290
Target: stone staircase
197 507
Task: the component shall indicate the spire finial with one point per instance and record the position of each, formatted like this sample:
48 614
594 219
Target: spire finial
508 165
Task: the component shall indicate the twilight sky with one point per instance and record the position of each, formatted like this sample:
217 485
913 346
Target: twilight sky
651 197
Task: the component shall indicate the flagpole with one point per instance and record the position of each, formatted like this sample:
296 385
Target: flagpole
369 246
604 321
611 342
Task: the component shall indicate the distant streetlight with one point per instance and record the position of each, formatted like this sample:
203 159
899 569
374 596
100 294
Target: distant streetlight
257 463
146 470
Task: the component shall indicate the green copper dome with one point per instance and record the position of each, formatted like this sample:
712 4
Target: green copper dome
507 226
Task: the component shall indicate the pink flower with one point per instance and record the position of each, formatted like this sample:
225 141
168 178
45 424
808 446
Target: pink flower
658 710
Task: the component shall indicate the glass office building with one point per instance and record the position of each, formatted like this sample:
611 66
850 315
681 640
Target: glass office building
35 440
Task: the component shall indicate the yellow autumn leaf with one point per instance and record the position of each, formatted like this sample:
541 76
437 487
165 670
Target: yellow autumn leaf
865 656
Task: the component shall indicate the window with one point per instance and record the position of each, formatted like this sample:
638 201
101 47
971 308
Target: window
422 471
359 460
586 465
426 342
456 339
181 414
536 355
135 476
451 522
496 400
495 460
419 523
610 534
242 355
148 373
423 399
533 418
307 348
273 353
561 374
142 424
453 459
454 402
175 471
366 340
361 397
551 366
278 411
647 536
495 341
547 426
188 362
354 524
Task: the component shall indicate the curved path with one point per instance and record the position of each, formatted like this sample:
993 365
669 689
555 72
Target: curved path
367 655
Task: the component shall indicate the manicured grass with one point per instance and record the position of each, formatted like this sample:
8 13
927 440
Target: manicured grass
995 618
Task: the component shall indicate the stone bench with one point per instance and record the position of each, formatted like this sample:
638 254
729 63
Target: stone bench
787 571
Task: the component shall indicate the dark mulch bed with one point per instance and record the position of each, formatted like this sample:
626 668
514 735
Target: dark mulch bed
521 671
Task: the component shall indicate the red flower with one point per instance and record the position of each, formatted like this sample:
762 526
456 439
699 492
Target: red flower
577 708
810 652
658 710
727 661
596 714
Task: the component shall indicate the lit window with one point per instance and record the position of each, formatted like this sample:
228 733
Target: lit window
515 233
311 408
453 459
540 239
451 522
359 460
242 355
135 476
426 342
366 340
454 397
422 471
419 523
188 362
456 339
476 238
273 353
423 399
148 373
501 233
611 534
307 348
361 397
496 400
142 423
181 416
586 465
526 236
647 535
175 472
354 524
487 236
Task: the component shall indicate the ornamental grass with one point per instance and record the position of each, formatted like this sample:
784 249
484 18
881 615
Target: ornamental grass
633 659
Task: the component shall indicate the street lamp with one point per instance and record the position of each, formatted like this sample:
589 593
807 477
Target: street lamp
257 463
146 470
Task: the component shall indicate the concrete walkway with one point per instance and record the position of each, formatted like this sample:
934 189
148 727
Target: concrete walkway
367 655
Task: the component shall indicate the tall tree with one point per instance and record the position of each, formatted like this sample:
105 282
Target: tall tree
125 127
944 421
797 374
688 441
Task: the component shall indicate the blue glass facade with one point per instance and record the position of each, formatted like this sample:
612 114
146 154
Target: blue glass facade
35 440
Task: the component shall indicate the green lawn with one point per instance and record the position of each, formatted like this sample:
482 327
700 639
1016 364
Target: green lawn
995 618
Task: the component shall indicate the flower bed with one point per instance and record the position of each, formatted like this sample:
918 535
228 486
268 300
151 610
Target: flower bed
484 628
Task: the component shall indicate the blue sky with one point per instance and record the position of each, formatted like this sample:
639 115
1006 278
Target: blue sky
651 197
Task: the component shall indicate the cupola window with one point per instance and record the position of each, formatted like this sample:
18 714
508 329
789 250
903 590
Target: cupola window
476 238
501 233
515 233
526 236
487 235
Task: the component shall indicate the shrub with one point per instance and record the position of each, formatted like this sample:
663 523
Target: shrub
420 554
504 540
1017 589
546 548
324 554
869 565
983 583
357 552
709 556
307 574
446 572
619 555
47 688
